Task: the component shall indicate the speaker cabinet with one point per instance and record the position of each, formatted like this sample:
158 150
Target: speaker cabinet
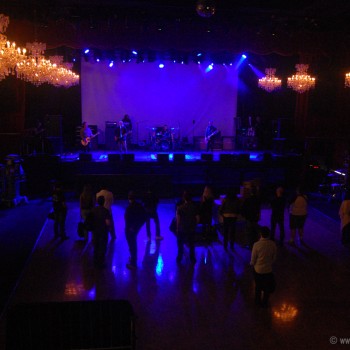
85 157
163 158
128 157
226 157
179 158
114 157
208 157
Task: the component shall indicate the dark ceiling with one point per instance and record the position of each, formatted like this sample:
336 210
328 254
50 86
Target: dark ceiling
304 27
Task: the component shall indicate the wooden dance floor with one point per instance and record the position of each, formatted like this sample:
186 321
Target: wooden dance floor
206 306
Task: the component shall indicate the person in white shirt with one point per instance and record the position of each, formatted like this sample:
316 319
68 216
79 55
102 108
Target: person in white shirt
109 200
262 258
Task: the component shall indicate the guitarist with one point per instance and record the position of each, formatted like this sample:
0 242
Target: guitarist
120 136
85 135
210 132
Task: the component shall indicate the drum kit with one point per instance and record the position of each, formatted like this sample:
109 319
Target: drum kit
162 139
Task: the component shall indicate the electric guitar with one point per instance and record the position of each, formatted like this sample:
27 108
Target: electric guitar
207 138
117 138
87 140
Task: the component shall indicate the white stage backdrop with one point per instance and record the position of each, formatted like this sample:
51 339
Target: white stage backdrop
183 96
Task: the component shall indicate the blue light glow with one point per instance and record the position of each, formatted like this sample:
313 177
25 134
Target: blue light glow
244 56
87 51
160 266
111 64
134 52
209 68
161 65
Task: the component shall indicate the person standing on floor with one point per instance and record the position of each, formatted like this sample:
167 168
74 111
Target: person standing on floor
251 211
109 200
60 212
262 258
297 216
229 210
187 218
278 206
100 219
206 205
344 214
87 203
150 203
135 217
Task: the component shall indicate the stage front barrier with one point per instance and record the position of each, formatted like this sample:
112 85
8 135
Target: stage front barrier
107 324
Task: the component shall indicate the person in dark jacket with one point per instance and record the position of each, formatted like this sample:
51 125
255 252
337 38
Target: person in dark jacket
60 211
100 219
229 210
135 218
187 218
278 206
251 210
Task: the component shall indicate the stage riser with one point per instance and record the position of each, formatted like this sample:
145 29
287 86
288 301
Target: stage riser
169 179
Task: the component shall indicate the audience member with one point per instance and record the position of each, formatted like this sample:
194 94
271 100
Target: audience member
135 218
109 200
251 208
206 210
87 203
297 216
187 218
60 211
229 210
344 213
262 258
100 220
278 206
150 203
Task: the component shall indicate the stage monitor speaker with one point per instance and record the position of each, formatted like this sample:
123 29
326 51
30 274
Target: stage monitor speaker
226 157
128 157
85 157
179 158
163 158
114 157
207 157
243 157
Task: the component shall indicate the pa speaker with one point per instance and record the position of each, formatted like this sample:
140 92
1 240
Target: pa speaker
163 158
128 157
85 157
179 158
114 157
226 157
207 157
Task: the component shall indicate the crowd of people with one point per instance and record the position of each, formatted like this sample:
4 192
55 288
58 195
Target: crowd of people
97 215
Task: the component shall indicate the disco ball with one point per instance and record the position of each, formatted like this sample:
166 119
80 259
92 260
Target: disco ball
205 8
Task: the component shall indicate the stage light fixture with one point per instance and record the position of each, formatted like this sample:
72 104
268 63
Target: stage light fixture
134 52
86 51
161 65
244 56
111 64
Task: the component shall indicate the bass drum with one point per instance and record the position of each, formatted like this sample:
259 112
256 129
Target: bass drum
164 145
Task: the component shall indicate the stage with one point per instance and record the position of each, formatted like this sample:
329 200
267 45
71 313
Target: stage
169 173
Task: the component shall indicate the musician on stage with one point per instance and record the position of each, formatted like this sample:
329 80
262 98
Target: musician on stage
128 124
86 135
120 136
210 133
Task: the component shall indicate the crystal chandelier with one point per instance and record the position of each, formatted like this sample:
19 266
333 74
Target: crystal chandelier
301 81
347 80
270 82
9 54
34 67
